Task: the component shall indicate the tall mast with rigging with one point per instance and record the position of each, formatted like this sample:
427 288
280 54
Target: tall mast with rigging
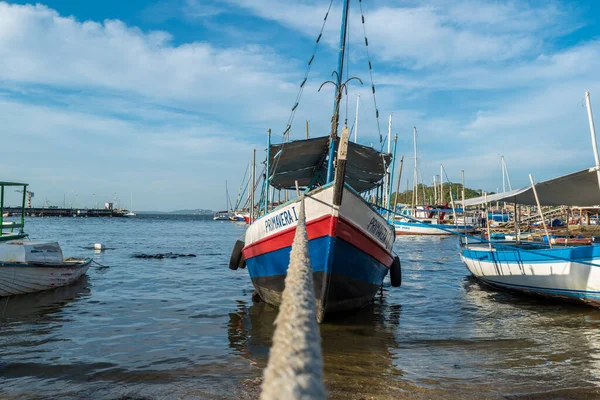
338 91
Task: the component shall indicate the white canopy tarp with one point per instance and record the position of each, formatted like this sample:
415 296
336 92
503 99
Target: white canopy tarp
575 189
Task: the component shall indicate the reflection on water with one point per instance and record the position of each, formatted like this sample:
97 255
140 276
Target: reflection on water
187 328
356 346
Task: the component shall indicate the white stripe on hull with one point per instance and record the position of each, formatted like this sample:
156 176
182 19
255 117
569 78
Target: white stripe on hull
29 279
420 229
318 204
575 279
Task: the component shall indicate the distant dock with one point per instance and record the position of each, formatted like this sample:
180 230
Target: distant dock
66 212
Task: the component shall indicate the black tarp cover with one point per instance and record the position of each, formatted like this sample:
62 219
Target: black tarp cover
301 160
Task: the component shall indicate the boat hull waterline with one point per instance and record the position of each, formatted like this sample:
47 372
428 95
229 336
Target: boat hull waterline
22 278
350 249
571 273
415 228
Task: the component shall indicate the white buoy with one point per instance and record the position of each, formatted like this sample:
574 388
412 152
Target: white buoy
99 246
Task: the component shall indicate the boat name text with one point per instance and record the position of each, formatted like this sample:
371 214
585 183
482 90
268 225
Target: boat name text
379 230
282 219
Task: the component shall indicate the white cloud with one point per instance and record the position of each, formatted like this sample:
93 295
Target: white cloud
436 34
39 46
477 79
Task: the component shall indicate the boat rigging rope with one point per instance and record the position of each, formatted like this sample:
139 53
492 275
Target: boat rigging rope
96 262
362 15
286 133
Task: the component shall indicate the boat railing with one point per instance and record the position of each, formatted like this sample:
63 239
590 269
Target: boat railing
7 227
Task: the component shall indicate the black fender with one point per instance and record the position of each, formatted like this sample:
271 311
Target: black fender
396 272
236 256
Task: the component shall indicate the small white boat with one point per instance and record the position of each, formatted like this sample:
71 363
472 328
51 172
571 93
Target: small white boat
427 220
221 216
429 226
31 266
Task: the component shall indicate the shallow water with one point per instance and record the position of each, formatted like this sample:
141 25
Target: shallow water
187 327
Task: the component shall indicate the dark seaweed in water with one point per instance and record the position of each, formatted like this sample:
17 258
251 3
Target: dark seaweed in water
187 328
163 255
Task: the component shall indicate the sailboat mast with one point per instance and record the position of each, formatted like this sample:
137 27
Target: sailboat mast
441 184
588 104
226 196
503 169
338 91
356 120
415 177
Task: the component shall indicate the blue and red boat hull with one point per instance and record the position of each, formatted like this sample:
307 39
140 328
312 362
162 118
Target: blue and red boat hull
349 263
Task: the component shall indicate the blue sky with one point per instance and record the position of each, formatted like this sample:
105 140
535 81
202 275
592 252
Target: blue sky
166 99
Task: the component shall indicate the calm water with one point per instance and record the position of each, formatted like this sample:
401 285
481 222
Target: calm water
187 328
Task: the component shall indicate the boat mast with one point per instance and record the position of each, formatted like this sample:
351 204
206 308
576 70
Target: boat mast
415 177
588 104
503 182
387 180
356 120
338 91
441 184
267 171
252 188
391 178
226 197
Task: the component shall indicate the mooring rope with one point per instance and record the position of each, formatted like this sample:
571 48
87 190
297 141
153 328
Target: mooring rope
295 368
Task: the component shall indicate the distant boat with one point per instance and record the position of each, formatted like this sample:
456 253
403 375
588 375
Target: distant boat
428 220
237 217
221 216
31 266
129 213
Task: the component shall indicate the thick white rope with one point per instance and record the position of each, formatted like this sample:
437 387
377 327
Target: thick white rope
295 368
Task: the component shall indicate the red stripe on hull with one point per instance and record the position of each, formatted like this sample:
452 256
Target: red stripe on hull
326 225
314 229
349 232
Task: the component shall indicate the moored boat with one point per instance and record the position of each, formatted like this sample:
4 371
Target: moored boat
221 216
30 266
350 246
349 241
570 271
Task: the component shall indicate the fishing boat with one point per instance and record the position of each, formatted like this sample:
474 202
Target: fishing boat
564 270
31 266
350 242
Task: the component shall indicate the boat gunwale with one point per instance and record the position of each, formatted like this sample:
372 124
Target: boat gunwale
77 264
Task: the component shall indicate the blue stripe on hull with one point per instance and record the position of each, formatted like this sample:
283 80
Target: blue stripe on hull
327 254
534 253
552 292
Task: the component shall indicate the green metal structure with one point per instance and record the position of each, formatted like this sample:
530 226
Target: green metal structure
7 228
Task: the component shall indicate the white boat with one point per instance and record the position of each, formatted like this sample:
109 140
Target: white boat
429 226
221 216
31 266
428 220
564 271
